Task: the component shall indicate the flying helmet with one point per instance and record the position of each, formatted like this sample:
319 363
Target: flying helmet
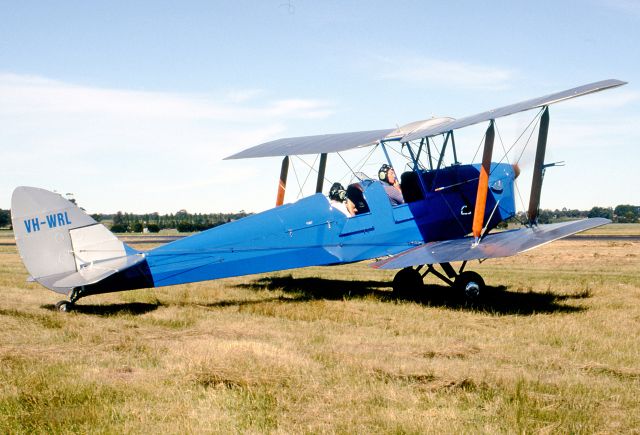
383 173
337 192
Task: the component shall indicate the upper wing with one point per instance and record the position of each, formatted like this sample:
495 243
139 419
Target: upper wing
515 108
493 245
328 143
324 143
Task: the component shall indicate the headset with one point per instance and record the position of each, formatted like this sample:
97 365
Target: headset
337 192
383 172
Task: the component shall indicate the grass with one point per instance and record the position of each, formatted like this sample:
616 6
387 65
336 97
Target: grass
616 230
552 349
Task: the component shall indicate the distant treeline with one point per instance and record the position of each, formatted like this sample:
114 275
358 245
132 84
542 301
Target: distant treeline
182 221
622 214
190 222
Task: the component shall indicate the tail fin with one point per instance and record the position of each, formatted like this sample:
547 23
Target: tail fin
61 246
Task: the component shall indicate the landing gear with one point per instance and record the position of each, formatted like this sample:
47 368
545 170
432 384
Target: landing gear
407 282
470 284
66 306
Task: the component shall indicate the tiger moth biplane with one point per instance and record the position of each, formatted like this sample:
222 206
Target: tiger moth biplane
449 215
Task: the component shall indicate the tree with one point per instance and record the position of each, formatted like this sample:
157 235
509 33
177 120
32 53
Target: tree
118 219
601 212
184 227
545 216
119 228
153 228
5 218
625 213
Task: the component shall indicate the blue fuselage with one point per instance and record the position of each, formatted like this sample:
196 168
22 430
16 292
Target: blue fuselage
310 232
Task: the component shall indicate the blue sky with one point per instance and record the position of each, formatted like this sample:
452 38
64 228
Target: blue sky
132 105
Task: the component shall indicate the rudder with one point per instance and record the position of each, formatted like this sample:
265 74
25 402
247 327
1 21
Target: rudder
60 245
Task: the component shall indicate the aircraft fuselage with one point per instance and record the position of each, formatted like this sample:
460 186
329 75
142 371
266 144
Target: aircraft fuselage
310 232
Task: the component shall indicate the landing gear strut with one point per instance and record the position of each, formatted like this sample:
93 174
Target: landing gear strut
66 306
409 280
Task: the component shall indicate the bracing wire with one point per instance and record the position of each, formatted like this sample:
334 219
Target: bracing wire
401 154
505 156
420 164
435 146
479 146
531 126
346 164
295 173
300 193
537 120
515 184
533 129
363 161
366 158
312 167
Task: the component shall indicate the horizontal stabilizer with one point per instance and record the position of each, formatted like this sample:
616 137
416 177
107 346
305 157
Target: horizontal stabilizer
494 245
97 271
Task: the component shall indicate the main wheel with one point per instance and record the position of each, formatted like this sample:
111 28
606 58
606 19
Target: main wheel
470 284
406 283
64 306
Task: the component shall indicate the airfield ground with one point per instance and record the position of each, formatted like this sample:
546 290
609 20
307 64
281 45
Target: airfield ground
553 349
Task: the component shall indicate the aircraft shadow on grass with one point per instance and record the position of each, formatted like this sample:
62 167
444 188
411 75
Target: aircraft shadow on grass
495 300
133 308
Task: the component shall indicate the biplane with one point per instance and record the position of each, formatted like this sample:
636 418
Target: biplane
451 213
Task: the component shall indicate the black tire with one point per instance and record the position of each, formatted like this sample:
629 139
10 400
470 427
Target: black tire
470 284
407 283
64 306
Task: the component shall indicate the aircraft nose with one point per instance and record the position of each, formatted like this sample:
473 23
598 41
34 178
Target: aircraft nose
516 170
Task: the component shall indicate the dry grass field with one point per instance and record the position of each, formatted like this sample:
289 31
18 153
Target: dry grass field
553 348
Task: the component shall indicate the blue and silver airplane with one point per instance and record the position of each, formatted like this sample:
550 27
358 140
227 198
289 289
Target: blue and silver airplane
450 215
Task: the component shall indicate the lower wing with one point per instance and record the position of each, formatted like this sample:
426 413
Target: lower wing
494 245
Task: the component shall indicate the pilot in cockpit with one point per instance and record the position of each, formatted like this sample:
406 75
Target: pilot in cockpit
356 204
387 176
338 198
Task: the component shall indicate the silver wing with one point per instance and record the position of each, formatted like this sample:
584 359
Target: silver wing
515 108
494 245
328 143
323 143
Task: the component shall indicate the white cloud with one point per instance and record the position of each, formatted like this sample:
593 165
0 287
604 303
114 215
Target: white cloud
29 94
138 151
445 73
